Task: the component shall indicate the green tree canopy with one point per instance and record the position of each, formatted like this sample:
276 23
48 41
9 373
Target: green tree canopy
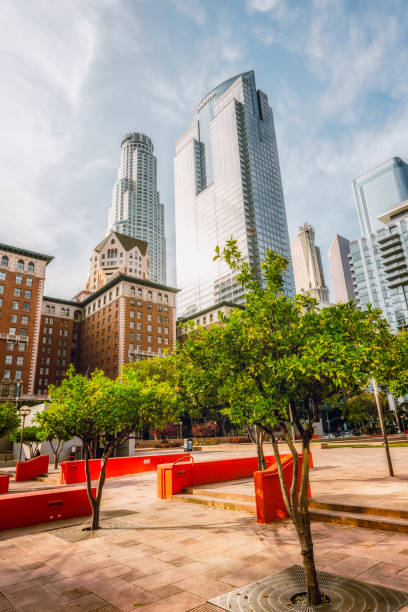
282 355
9 420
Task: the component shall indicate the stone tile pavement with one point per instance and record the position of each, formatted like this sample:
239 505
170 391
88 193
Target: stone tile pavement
157 555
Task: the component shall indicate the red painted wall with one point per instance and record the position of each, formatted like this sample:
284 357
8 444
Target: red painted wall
27 470
269 500
74 471
172 479
21 509
4 483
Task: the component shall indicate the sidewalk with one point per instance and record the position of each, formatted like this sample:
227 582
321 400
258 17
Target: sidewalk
170 556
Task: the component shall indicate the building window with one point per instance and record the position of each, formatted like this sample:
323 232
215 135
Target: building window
26 306
139 292
15 305
19 279
3 275
166 341
21 346
29 281
149 338
12 331
159 340
149 317
6 373
166 330
139 326
13 318
20 360
149 349
149 327
1 289
27 294
4 262
9 359
20 264
10 345
132 325
30 267
17 292
24 320
19 374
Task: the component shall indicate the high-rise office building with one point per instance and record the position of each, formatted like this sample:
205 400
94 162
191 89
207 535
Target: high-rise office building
379 266
227 183
136 208
378 190
307 265
340 272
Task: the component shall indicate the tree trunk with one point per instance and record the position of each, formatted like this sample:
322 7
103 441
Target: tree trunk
95 515
304 532
259 438
98 498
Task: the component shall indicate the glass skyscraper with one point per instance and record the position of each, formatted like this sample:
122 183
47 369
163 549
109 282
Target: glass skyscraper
227 184
340 272
378 190
136 208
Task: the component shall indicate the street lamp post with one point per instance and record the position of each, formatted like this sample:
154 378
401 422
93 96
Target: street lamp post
24 412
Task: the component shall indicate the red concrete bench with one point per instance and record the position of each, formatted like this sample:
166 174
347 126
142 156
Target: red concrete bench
27 470
74 471
32 508
269 499
173 478
4 483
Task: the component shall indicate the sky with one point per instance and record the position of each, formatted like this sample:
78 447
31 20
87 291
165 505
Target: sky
77 75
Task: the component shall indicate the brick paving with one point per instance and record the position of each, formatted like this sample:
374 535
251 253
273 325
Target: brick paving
160 555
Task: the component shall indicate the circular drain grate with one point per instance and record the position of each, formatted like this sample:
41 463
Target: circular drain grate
273 594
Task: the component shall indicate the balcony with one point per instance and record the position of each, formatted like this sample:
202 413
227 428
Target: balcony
13 338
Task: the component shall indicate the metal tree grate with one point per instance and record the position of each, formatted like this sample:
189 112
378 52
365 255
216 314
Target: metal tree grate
273 594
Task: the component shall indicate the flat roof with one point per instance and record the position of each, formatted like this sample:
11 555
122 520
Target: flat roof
199 313
61 301
389 215
25 252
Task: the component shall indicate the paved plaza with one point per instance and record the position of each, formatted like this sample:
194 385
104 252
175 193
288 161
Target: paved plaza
169 556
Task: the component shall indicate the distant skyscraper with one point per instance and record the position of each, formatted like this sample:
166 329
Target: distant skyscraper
379 266
136 208
340 272
227 183
307 265
378 190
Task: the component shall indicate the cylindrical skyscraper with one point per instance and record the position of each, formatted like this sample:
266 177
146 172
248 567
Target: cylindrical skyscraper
136 208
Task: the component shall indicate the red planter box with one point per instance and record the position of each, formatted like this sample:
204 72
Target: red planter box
4 483
27 470
22 509
172 479
74 471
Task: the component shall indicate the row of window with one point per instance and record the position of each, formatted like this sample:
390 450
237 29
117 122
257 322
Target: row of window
18 374
20 264
9 359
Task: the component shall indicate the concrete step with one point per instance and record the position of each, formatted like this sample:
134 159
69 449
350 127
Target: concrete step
371 521
376 511
221 494
216 502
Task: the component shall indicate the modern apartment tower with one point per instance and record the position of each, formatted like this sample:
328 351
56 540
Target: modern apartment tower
378 190
340 271
227 184
136 208
307 265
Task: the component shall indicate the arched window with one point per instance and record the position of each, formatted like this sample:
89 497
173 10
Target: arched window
4 260
132 291
47 308
159 297
63 312
149 295
166 298
30 267
139 292
20 264
77 314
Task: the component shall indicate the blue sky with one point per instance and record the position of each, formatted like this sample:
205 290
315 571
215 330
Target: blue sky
79 74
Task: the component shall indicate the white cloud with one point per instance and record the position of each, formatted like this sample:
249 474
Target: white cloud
263 6
194 9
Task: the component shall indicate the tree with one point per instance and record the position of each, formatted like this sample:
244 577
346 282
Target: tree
284 355
102 411
31 437
9 420
52 427
361 412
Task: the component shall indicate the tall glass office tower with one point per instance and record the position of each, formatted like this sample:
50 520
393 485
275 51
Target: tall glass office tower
136 208
227 183
378 190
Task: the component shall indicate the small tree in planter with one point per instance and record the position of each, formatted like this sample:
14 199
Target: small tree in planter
102 411
283 356
31 437
52 427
